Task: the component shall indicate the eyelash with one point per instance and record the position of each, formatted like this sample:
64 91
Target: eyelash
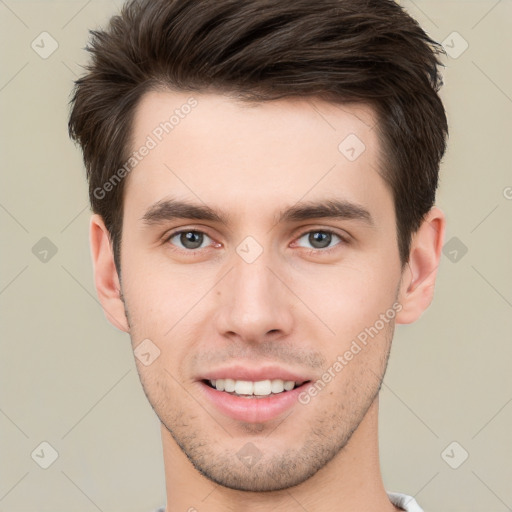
311 252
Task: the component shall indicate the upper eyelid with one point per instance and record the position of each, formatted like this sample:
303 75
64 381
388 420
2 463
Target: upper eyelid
323 230
173 232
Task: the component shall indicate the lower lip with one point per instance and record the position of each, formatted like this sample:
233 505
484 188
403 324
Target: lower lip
252 410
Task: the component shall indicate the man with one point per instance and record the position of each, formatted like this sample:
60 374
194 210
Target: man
263 177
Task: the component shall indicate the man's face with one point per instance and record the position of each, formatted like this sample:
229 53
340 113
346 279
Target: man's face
256 294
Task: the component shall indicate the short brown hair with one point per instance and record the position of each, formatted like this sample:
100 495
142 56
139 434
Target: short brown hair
365 51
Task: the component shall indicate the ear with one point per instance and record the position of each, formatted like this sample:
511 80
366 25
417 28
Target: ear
419 276
106 279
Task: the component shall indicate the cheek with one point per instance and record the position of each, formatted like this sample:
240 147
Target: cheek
348 299
168 305
154 301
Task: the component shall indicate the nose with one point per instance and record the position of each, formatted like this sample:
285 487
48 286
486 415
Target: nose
254 305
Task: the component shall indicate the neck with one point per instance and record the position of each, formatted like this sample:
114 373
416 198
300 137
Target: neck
350 482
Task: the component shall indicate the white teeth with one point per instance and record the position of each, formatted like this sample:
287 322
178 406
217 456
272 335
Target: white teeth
289 385
259 388
244 387
229 385
277 386
262 388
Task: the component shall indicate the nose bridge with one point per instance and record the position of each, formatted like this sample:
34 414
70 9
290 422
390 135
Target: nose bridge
252 281
253 301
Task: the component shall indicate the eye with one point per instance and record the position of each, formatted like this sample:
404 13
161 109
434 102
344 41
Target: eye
321 239
189 239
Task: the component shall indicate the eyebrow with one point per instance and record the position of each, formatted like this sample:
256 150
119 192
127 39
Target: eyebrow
171 209
333 208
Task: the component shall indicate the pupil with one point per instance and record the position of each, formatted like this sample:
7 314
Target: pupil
320 237
191 239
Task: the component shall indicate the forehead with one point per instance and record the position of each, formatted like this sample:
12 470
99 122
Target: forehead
234 154
303 117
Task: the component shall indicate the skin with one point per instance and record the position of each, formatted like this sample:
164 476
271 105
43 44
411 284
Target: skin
207 307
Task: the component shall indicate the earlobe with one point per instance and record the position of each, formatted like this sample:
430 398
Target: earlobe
419 276
106 278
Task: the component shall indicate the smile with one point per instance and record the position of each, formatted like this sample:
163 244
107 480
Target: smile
253 389
252 401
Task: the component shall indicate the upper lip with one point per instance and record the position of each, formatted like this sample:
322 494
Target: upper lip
270 372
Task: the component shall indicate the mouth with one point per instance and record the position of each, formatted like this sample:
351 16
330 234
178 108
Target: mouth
252 401
253 389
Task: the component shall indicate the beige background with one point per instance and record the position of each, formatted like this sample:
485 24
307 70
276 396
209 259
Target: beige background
68 378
